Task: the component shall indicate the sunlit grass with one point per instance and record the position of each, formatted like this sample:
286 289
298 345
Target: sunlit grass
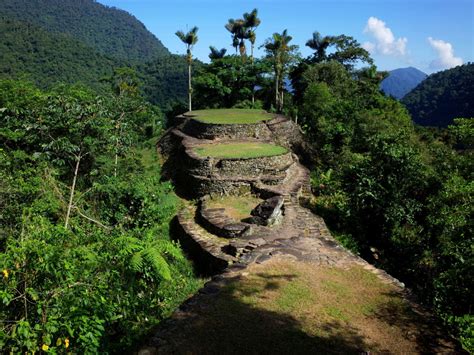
236 207
284 307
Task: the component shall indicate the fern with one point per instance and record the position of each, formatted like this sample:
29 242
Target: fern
129 245
170 249
158 263
136 262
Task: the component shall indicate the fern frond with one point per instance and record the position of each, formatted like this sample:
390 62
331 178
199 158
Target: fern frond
171 249
136 262
158 263
129 245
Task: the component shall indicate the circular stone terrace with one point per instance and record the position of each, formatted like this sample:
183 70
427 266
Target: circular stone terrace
239 150
228 124
230 116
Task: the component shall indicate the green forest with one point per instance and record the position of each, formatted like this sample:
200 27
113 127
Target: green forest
110 31
442 97
87 258
55 42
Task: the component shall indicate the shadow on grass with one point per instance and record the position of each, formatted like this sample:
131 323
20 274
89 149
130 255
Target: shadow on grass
417 324
219 321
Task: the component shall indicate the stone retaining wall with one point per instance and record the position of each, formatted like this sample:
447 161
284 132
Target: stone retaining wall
203 130
228 167
209 259
217 222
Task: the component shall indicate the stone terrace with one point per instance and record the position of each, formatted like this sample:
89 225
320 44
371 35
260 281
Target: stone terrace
225 247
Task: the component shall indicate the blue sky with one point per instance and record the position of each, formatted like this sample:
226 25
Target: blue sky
430 35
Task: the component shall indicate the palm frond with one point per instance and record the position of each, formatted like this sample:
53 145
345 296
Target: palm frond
181 35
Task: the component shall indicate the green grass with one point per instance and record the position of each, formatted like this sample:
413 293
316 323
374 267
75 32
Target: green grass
244 150
282 307
236 207
230 116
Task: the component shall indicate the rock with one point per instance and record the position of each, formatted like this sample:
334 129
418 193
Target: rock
269 212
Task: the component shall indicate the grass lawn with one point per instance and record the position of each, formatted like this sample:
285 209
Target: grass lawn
236 207
286 307
239 150
230 116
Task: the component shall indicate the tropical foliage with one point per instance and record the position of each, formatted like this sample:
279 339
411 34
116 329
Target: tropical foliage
87 261
401 200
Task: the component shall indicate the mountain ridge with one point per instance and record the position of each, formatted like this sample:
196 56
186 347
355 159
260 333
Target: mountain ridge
443 96
401 81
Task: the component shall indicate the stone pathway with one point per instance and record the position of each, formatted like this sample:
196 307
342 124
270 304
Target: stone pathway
302 237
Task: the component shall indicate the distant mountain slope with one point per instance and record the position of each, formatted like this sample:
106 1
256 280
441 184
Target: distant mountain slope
401 81
442 97
165 80
110 31
48 58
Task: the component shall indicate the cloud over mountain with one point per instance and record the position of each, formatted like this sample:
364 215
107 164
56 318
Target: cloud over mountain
445 51
385 42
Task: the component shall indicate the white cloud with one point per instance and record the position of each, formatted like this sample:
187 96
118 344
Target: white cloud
385 42
446 58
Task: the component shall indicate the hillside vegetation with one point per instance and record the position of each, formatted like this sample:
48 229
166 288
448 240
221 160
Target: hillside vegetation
49 58
108 30
442 97
87 261
51 42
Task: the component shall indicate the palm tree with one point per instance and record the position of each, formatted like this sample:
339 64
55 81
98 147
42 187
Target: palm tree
281 53
319 44
217 53
239 35
251 23
189 39
232 28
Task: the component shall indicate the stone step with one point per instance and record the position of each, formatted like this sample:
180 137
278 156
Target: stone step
206 248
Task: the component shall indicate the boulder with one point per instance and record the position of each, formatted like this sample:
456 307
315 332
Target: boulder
269 212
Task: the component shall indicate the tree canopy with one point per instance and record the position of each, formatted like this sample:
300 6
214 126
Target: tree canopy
443 96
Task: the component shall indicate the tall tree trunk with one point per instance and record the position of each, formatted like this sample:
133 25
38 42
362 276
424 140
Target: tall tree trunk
116 158
189 87
251 53
243 50
73 187
118 133
281 99
276 90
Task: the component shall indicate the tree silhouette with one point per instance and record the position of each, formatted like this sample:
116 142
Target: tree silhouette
217 53
251 23
239 35
281 54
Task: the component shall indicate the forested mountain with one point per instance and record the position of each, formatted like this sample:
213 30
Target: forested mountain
164 80
442 97
401 81
110 31
51 42
48 58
